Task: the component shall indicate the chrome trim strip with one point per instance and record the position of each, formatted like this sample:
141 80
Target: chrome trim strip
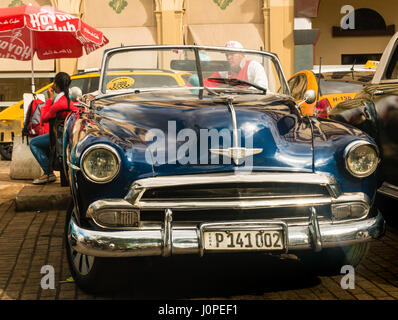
236 177
234 204
294 201
146 47
236 152
72 166
136 191
234 125
148 241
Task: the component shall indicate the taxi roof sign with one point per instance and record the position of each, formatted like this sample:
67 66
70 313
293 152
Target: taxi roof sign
370 64
120 83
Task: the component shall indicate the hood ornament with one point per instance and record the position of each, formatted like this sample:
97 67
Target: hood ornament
235 153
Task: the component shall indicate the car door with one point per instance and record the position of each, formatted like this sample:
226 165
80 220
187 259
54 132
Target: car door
385 99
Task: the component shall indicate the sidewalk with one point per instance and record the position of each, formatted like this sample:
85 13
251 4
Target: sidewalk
29 197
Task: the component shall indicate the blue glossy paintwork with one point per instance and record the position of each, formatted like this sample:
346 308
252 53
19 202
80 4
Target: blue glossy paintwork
287 145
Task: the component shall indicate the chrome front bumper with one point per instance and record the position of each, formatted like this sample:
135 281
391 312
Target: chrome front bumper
165 239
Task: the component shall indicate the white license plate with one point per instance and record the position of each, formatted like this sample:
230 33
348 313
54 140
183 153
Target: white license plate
243 240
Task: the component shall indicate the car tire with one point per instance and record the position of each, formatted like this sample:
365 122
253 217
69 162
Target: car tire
6 151
329 261
92 274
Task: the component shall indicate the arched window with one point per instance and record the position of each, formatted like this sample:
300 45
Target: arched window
368 19
368 22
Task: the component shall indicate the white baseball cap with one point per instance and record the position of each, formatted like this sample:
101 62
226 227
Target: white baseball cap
75 93
234 44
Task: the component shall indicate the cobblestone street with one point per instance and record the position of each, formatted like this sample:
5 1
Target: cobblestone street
30 240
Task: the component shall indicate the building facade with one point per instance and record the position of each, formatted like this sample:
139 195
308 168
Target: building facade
257 24
353 32
301 32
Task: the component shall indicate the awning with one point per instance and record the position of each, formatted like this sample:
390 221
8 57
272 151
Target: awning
117 36
250 35
306 8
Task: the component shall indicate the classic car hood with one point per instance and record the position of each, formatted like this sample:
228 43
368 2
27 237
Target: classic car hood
180 133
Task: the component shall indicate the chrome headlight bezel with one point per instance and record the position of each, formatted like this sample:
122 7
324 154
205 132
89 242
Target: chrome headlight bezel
352 147
104 147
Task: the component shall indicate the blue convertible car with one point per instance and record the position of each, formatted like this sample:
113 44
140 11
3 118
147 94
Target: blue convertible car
221 162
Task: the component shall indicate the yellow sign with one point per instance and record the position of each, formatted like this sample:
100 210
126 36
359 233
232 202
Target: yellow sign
120 83
372 64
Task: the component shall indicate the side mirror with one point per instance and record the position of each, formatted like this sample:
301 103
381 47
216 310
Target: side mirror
310 96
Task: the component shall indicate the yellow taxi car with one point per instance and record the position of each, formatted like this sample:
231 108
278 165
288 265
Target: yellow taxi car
12 118
332 84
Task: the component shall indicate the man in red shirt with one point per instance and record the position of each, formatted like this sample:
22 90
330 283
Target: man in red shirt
241 68
59 107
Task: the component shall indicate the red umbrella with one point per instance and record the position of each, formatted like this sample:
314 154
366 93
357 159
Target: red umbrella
48 32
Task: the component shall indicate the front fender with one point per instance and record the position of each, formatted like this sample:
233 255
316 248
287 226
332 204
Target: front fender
78 136
330 140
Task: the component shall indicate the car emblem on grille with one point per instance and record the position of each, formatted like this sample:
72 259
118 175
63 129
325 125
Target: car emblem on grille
235 153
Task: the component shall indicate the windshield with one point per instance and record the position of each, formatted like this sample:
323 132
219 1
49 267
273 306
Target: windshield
333 87
344 81
191 70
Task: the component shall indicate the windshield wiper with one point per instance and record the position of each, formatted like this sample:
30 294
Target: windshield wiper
237 82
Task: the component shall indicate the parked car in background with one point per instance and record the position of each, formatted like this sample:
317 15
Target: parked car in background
195 170
12 118
375 111
335 84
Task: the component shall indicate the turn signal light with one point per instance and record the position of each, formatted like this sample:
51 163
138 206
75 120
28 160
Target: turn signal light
349 210
129 218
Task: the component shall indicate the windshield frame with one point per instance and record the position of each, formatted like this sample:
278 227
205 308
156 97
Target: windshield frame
196 49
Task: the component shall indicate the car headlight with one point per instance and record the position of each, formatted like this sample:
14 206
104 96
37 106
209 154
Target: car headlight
100 163
361 158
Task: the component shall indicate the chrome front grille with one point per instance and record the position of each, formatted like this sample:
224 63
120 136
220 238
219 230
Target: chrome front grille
235 215
229 196
234 191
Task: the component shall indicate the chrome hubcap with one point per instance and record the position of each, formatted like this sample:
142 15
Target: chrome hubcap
82 263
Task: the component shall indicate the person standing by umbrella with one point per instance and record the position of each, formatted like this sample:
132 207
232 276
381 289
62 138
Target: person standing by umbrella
59 107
